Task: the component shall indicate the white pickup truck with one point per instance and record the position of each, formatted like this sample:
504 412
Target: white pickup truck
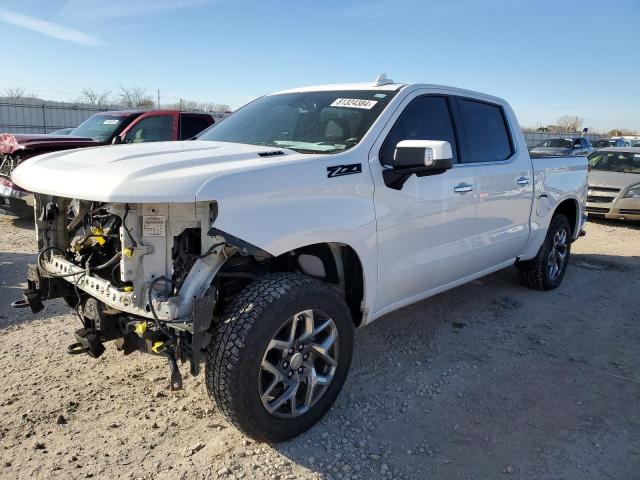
261 246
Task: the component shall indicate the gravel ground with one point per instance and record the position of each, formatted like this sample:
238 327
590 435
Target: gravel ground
489 380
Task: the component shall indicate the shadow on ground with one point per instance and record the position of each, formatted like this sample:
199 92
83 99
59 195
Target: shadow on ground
490 379
13 274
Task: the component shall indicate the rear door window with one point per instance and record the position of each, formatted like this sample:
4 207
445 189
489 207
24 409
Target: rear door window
191 125
486 131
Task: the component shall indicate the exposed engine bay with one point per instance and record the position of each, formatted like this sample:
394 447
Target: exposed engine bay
137 274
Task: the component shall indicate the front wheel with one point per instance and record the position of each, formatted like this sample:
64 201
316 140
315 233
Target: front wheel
547 269
280 356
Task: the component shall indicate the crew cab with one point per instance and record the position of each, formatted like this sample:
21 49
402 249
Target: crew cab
259 248
132 126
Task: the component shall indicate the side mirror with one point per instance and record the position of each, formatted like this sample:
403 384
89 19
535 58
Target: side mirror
422 157
116 140
430 154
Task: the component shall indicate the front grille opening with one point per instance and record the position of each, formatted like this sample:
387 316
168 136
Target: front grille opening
595 199
603 189
597 210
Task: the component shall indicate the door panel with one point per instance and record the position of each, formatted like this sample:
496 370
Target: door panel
504 183
423 237
505 193
423 240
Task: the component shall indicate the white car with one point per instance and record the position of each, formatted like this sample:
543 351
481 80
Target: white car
260 247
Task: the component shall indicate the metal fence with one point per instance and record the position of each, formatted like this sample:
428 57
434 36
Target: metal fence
41 116
536 138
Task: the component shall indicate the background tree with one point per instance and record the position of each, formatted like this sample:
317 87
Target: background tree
15 93
91 97
621 132
569 123
195 106
135 97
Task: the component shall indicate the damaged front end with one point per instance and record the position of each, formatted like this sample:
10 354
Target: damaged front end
137 274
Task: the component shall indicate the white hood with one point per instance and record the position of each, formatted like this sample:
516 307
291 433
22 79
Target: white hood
159 172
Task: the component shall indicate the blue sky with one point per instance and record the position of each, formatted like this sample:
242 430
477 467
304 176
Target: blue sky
547 57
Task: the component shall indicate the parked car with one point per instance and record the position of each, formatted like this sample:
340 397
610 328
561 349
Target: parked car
562 147
62 131
614 183
262 245
609 142
635 143
134 126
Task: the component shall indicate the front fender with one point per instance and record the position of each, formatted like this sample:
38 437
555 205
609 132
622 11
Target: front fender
292 205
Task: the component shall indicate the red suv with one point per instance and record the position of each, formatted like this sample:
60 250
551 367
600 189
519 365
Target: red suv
100 129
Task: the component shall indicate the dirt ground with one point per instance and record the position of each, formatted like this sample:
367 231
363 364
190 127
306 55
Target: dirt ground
489 380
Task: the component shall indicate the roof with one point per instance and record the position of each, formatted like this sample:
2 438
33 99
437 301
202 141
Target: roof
621 149
565 137
134 112
344 86
384 84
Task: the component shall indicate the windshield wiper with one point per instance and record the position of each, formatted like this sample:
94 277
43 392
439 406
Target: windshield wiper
304 150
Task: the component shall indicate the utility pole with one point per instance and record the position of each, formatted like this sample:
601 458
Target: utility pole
158 99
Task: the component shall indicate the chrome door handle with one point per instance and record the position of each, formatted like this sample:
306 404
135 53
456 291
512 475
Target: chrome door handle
523 181
463 188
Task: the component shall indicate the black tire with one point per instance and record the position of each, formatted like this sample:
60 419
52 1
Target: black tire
535 273
236 351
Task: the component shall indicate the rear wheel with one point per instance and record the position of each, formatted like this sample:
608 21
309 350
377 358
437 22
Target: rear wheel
280 356
547 269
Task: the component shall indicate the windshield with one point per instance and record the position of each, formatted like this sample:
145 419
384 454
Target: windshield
626 162
307 122
603 143
100 127
557 143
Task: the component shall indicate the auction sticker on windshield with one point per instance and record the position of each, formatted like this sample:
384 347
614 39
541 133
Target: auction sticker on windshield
153 226
110 122
354 103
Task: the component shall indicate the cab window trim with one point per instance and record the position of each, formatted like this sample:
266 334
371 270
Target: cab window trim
450 107
456 99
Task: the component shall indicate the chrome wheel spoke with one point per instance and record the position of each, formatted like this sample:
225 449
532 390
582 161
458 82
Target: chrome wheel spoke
314 331
279 345
322 349
272 369
309 322
312 383
293 328
287 396
267 393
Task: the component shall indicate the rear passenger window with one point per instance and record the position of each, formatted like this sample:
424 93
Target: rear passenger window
190 126
486 131
425 118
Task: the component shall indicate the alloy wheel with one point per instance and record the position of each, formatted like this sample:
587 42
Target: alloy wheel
299 364
558 254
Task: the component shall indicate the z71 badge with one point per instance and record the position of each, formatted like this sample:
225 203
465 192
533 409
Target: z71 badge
339 170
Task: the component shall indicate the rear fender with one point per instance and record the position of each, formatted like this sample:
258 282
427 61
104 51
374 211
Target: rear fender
556 181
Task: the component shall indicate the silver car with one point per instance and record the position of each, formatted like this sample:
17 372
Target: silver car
614 183
558 147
